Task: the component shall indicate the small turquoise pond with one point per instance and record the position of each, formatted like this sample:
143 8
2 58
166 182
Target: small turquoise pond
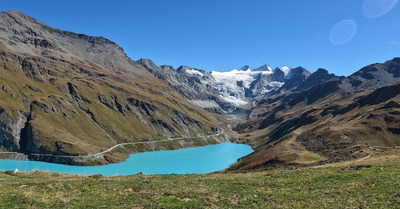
189 160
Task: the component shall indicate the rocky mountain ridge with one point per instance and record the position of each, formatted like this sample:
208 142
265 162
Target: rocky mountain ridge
330 122
230 92
24 34
66 94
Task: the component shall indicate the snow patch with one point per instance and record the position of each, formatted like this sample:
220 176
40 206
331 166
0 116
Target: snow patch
287 71
234 100
204 103
194 72
276 84
230 78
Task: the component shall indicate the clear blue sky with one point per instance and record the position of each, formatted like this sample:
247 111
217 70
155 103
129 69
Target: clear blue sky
225 34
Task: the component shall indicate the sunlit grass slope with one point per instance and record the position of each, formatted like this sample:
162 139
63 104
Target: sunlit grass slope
361 184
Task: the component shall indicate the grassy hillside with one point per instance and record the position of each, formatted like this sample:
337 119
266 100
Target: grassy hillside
66 94
72 108
323 124
372 183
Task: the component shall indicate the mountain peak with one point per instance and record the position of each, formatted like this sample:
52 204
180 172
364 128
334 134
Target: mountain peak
18 20
183 68
245 68
286 71
24 34
322 71
16 13
147 63
264 68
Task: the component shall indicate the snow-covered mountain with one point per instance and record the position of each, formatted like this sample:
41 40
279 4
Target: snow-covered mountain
228 92
220 91
242 86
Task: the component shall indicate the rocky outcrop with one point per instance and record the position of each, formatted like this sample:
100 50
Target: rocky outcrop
380 95
298 76
10 130
265 83
318 77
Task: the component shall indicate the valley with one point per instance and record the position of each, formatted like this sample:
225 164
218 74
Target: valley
80 100
83 125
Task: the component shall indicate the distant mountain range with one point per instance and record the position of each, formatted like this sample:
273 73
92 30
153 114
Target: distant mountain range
68 98
221 92
230 92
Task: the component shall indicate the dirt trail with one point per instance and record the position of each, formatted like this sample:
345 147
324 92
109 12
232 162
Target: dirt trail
100 155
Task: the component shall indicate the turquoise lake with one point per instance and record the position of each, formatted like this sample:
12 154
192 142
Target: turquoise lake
184 161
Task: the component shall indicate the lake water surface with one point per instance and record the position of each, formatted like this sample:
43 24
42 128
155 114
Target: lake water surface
189 160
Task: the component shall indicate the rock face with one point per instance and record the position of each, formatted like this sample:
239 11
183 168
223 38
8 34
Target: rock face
67 94
10 131
318 77
374 76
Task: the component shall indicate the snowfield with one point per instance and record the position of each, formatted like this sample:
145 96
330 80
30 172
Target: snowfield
232 85
236 86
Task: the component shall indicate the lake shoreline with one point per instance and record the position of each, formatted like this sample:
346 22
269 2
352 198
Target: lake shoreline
152 162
